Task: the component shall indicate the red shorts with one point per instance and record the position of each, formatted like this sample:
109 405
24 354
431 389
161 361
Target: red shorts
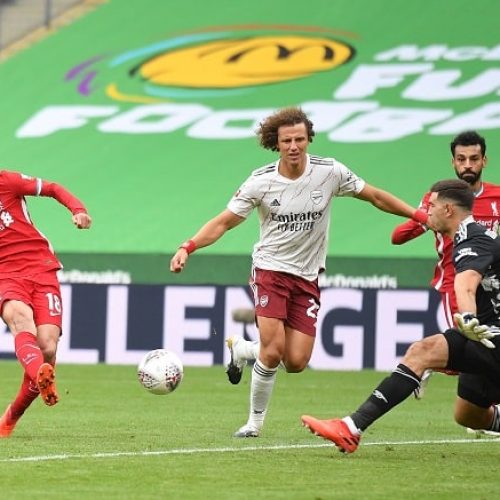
41 292
287 297
450 306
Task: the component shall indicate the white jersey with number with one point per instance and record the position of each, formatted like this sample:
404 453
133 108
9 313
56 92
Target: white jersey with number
294 214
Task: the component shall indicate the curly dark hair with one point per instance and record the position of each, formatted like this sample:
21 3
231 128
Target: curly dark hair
268 129
468 138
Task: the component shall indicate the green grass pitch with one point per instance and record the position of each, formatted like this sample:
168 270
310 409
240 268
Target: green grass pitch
109 438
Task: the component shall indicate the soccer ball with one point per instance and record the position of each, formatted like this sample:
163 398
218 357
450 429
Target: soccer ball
160 371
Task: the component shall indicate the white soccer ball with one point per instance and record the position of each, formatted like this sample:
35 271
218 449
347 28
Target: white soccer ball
160 371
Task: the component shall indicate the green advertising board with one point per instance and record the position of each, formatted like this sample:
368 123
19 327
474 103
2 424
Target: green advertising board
147 111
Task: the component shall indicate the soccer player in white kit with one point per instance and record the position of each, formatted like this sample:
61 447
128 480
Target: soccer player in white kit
292 196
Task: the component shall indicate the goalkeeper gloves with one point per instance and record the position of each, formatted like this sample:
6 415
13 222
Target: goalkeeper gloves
468 325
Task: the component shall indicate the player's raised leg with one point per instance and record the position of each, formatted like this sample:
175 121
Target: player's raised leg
346 433
46 382
48 337
241 352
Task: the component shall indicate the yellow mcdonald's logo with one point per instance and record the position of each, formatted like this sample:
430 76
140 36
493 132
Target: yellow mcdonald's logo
257 60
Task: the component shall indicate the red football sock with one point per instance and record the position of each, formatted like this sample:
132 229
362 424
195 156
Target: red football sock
28 353
28 392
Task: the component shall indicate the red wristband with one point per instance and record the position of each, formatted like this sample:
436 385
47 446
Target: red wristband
420 216
189 246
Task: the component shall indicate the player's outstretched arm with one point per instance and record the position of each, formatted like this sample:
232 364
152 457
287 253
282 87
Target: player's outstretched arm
208 234
63 196
407 231
411 229
387 202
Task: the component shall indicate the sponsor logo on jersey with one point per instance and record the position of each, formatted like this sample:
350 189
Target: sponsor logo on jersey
463 252
275 203
296 217
490 224
301 221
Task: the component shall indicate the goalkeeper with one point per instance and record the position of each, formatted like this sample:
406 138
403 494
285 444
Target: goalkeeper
472 348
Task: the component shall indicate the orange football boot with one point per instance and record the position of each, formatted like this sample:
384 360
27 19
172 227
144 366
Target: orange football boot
7 423
45 381
334 430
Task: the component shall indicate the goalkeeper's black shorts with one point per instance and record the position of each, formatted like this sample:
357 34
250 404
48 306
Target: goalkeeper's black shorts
479 367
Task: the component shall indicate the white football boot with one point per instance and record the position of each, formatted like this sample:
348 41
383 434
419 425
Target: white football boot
420 390
483 432
247 431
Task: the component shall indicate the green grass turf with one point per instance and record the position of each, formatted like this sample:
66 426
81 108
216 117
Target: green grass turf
95 442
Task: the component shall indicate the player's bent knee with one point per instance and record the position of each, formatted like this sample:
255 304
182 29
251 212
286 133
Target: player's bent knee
49 355
270 359
295 367
421 351
18 317
48 349
416 350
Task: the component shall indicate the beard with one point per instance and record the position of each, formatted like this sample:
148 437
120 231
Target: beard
469 177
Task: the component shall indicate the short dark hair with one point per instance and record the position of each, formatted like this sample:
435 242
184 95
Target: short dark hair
268 129
468 138
455 190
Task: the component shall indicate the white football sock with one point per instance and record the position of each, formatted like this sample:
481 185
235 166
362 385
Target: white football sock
251 349
352 426
261 388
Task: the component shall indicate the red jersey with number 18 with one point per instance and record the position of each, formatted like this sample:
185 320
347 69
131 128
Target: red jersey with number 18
24 250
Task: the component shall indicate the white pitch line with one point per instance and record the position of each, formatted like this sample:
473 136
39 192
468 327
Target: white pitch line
187 451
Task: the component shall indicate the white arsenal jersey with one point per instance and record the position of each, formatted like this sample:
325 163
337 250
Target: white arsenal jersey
294 214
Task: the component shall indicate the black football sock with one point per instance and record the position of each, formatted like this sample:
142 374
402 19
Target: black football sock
390 392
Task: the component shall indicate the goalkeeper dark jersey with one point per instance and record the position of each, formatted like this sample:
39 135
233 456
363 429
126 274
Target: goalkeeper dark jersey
478 248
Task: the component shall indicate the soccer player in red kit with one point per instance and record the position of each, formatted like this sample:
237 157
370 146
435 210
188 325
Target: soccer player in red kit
30 298
468 151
